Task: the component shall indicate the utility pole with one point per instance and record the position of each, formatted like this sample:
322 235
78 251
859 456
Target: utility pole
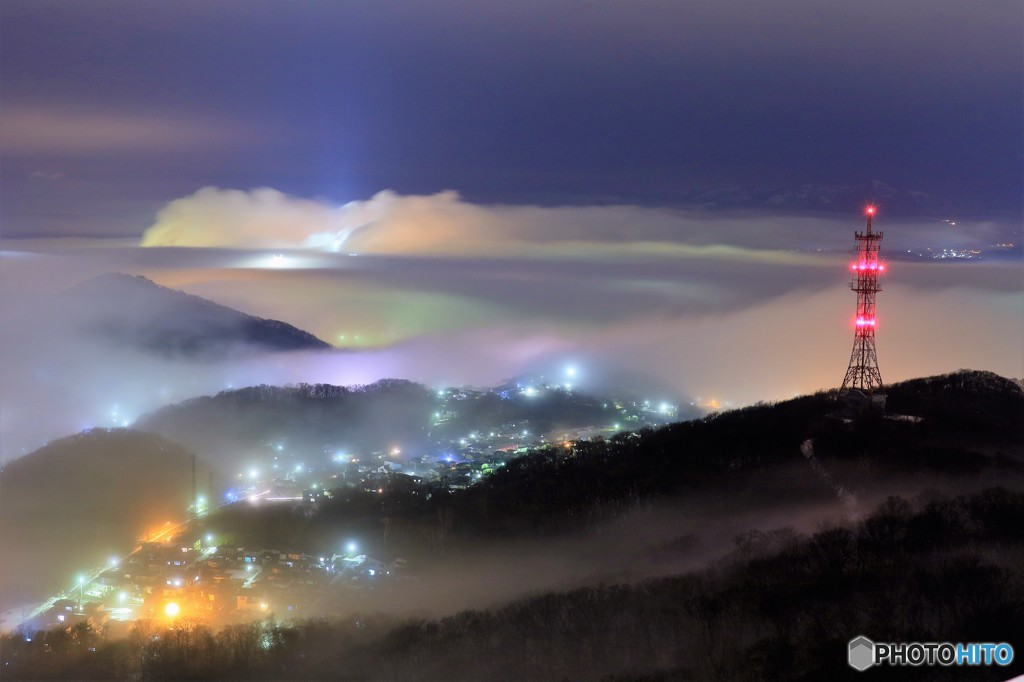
195 495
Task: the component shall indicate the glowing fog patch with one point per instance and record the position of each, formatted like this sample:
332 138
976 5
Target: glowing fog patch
289 260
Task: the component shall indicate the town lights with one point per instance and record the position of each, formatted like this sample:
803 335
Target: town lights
172 610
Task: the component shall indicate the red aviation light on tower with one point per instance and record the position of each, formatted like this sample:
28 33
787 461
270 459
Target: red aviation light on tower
870 210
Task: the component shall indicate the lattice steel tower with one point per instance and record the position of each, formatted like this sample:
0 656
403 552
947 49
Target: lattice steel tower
863 374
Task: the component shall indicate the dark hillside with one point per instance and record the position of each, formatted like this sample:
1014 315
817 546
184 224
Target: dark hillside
389 413
747 459
955 439
780 607
983 404
77 501
233 424
137 312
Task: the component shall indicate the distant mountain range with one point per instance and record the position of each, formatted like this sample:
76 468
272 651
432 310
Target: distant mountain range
824 198
134 311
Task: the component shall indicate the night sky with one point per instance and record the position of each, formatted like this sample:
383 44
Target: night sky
665 187
111 109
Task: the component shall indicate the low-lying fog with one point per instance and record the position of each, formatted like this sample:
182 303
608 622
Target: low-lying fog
57 379
656 539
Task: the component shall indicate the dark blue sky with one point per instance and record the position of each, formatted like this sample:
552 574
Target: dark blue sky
112 109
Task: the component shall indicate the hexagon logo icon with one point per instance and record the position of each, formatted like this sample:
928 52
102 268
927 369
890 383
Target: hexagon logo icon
861 653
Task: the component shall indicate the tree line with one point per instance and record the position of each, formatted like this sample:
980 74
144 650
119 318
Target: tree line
781 606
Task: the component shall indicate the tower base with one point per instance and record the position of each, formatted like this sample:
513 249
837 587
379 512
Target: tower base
856 402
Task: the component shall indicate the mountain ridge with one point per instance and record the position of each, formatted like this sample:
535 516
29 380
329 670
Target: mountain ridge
80 499
136 311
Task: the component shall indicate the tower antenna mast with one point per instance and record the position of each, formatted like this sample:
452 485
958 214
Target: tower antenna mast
862 374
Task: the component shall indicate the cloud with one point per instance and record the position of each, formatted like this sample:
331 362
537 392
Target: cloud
260 219
445 224
266 218
27 129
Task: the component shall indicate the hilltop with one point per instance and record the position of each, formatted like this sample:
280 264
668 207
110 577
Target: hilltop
135 311
316 420
79 500
970 431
